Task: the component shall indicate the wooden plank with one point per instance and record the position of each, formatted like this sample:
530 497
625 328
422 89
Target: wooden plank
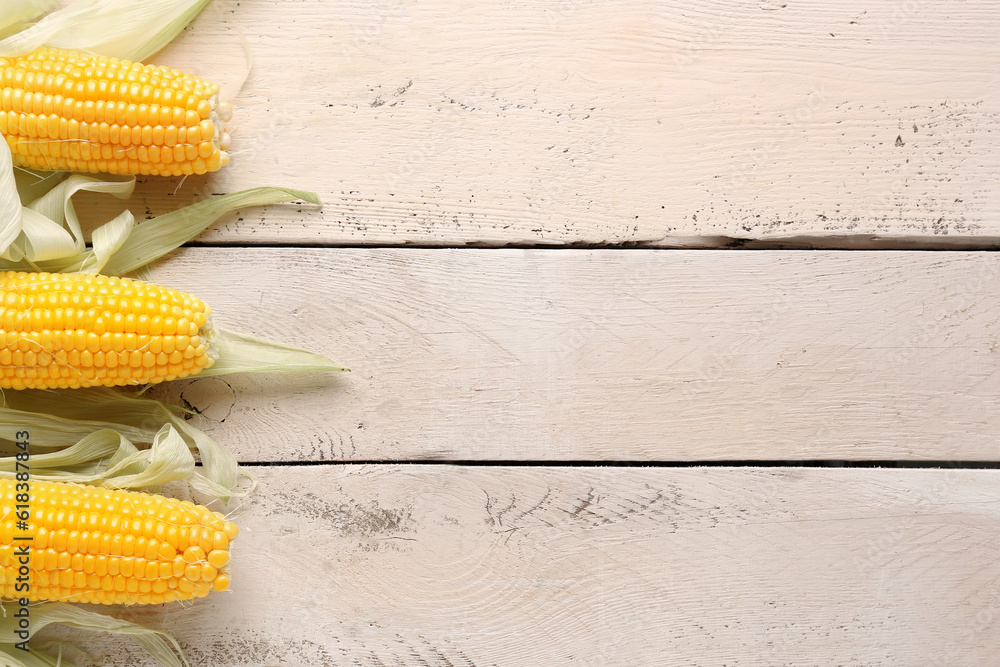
606 355
632 122
441 565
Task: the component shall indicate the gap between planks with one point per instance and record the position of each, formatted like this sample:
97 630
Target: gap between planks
846 244
756 463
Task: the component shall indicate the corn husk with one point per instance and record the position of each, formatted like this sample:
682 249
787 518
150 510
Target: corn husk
132 29
101 436
89 436
15 14
159 645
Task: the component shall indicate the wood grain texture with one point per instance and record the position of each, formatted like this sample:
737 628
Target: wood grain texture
440 565
627 122
605 355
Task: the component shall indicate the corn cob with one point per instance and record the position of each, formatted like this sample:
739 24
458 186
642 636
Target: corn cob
62 110
90 544
79 330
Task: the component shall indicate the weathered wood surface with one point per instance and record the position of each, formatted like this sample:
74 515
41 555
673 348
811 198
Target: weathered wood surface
631 122
442 565
628 123
605 355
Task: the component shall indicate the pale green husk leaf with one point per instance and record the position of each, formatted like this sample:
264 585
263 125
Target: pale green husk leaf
240 353
159 645
93 430
10 202
33 184
46 234
132 29
15 13
9 658
155 238
50 229
107 457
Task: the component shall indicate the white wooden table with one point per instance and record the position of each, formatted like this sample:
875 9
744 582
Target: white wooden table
652 363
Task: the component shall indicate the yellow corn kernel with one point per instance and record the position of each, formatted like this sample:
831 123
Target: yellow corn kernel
218 558
45 345
69 569
194 554
64 110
